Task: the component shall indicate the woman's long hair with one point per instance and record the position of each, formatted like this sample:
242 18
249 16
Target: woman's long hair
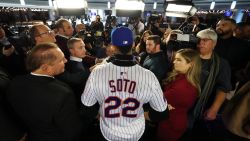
193 73
141 47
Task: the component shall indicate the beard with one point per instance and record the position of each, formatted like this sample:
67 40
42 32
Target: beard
221 32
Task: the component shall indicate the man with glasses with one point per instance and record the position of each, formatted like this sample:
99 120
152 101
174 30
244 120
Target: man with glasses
215 83
41 33
45 106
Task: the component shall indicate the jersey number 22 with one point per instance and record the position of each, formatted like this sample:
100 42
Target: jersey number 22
125 110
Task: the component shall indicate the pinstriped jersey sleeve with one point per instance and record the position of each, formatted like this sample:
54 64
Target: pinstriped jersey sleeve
157 101
88 96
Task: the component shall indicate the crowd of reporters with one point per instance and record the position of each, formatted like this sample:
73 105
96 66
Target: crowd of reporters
226 51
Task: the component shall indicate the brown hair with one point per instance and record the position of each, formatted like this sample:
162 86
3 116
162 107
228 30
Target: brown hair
71 42
39 55
194 72
155 38
59 24
34 32
141 47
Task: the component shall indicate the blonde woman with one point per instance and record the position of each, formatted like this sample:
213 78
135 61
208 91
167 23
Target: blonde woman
182 87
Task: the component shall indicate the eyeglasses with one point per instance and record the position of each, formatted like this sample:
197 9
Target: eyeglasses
204 40
50 32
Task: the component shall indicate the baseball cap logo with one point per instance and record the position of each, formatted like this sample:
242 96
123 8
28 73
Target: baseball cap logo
125 42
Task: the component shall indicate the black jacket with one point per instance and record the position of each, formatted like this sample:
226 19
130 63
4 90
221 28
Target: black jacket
47 107
158 64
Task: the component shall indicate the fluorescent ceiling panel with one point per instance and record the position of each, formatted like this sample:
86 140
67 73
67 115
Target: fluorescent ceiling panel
129 5
178 7
172 14
71 4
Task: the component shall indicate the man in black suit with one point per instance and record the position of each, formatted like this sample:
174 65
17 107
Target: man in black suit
45 105
40 33
77 67
10 128
64 32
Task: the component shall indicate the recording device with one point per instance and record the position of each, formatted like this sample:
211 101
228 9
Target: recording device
163 25
109 21
153 19
183 37
86 36
6 44
180 41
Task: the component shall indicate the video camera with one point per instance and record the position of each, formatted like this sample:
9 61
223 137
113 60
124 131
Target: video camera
183 37
153 19
180 41
5 44
86 36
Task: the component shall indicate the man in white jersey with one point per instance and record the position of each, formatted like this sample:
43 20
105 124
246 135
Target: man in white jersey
121 88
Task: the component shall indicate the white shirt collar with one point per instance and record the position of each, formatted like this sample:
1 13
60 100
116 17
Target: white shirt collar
41 75
64 36
75 59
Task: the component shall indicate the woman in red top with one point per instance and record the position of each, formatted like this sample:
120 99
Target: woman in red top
181 90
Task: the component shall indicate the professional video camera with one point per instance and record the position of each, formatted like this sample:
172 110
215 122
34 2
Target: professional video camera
5 44
153 19
87 36
178 41
110 20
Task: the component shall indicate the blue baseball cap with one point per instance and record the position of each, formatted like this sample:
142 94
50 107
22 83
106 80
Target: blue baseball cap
122 36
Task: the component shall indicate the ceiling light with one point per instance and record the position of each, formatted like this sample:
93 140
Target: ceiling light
71 3
155 5
212 5
50 3
55 4
129 5
178 7
173 14
108 4
233 4
22 2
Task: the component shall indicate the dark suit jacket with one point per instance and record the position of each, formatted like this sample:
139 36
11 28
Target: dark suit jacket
62 44
158 64
10 129
80 73
47 107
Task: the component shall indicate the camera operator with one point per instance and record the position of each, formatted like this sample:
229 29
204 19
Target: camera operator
154 23
175 41
11 59
198 26
136 26
79 27
87 36
111 23
97 26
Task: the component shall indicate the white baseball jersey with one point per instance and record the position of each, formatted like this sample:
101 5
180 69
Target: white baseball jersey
121 92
